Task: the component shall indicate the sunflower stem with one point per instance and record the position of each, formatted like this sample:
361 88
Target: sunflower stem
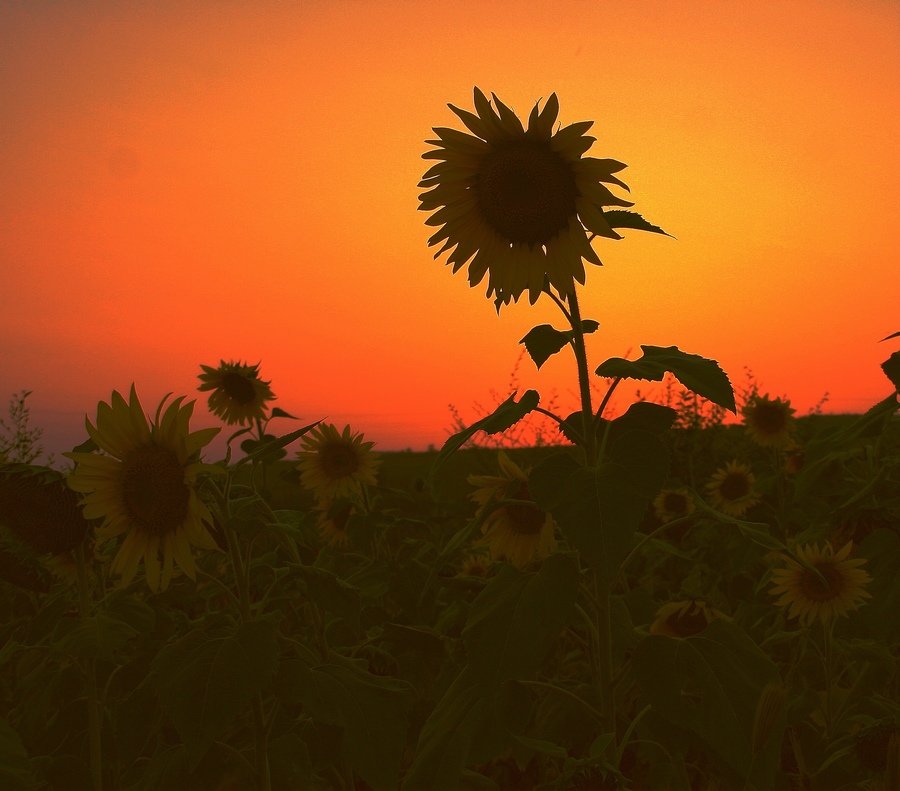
584 382
93 702
827 630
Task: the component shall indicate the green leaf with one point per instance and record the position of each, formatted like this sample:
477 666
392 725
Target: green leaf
371 710
205 680
279 412
472 723
599 508
330 592
540 746
710 683
267 448
15 769
696 373
891 368
503 417
516 619
629 219
98 636
543 341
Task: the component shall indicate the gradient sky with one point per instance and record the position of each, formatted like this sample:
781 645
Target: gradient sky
182 182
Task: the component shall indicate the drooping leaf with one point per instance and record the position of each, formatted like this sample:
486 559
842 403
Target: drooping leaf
370 709
599 508
330 592
15 770
98 636
279 412
618 218
205 680
699 374
515 620
710 683
503 417
891 368
543 341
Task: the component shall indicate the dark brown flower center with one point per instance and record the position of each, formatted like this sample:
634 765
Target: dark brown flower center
674 503
688 623
769 418
238 388
338 461
815 590
154 490
526 192
526 518
735 486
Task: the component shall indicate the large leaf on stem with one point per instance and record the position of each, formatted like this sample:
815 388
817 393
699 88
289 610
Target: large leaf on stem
542 342
599 508
699 374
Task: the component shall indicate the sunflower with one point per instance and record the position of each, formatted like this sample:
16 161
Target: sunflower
808 597
333 520
684 618
768 421
672 504
513 531
335 464
519 203
145 486
239 395
794 457
731 489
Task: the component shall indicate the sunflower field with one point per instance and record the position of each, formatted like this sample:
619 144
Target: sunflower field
655 600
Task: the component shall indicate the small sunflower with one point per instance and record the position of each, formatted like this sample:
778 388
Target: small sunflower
516 532
333 520
794 457
768 421
475 565
519 203
731 489
239 395
684 618
671 504
808 597
336 464
146 486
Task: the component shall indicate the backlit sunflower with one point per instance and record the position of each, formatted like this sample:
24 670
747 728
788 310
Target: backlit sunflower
516 532
768 421
336 464
333 520
672 504
684 618
731 489
239 395
145 487
519 203
808 597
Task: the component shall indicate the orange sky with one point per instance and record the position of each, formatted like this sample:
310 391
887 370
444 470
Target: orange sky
185 182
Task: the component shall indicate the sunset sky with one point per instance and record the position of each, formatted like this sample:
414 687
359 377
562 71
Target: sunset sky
182 182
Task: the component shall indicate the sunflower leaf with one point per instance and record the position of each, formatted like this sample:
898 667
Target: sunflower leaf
503 417
278 412
15 770
891 368
269 447
543 341
699 374
205 680
630 219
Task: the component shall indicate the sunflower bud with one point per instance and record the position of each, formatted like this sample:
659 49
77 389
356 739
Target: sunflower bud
769 709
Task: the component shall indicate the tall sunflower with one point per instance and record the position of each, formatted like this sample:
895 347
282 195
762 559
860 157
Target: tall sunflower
520 203
731 489
808 597
145 486
768 420
239 395
336 464
517 532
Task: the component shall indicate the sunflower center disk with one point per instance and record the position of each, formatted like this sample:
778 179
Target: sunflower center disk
813 588
238 388
339 462
734 487
526 192
674 503
770 419
154 490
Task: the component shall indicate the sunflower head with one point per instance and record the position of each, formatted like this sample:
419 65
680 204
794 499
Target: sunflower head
143 485
336 464
672 504
837 588
768 421
518 531
238 394
731 489
794 457
519 205
684 618
333 520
